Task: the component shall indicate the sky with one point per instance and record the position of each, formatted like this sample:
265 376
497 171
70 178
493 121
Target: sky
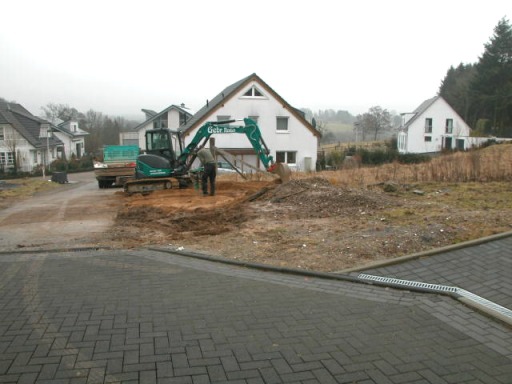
117 57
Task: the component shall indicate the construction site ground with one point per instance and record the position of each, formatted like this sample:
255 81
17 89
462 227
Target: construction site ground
310 223
323 221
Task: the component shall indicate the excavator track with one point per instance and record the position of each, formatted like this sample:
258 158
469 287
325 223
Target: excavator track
146 186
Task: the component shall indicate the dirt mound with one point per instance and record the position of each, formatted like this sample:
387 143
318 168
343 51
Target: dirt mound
317 197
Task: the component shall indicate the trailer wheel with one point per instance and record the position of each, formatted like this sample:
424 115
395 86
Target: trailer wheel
167 185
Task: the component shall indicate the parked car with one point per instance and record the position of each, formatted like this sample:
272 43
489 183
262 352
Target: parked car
224 167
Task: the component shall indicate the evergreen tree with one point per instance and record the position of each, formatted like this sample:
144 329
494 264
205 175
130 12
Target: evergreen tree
492 84
455 90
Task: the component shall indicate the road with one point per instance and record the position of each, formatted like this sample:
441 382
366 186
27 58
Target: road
71 215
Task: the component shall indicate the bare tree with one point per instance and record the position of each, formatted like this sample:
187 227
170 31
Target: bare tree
53 111
12 140
374 122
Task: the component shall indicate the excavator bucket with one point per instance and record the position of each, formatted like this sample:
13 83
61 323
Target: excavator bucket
283 171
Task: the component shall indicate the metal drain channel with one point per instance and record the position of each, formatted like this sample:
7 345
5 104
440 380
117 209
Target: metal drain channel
408 283
478 301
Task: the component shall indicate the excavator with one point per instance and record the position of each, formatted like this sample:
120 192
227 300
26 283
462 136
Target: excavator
168 161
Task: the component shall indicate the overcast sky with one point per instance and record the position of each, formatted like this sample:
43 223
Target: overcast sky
117 57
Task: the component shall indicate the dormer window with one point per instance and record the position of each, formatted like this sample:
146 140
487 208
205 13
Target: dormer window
253 92
44 131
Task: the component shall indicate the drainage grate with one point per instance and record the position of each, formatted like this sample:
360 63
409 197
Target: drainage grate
408 283
475 299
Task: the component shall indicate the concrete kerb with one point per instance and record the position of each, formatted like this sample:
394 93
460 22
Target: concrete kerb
432 252
295 271
51 250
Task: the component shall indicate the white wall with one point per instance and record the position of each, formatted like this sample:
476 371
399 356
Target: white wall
298 138
70 144
439 111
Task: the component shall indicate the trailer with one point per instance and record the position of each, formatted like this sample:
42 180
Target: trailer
118 165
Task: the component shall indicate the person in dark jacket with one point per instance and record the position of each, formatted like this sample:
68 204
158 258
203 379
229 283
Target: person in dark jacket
210 170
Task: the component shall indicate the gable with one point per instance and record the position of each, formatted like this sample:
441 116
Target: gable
26 124
250 87
161 118
430 108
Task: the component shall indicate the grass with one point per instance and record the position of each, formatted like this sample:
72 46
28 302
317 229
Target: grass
25 187
484 165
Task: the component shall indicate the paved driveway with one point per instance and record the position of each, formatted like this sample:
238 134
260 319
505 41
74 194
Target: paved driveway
484 269
154 317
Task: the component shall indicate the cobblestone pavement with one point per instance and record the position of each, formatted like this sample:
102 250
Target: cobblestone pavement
485 270
153 317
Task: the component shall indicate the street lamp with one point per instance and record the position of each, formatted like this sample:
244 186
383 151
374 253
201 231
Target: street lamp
47 156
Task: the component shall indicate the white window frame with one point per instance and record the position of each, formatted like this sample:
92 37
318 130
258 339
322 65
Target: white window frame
7 158
287 155
449 126
428 127
282 118
252 93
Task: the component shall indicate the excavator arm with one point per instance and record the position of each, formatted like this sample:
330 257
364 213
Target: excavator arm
250 129
253 133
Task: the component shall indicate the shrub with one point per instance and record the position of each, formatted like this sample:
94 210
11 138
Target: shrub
413 158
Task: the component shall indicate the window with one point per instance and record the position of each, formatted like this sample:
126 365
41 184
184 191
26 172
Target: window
2 133
253 92
161 122
183 118
449 126
428 125
282 124
286 157
6 158
428 138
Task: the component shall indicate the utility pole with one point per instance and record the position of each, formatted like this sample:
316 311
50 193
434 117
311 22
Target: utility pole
46 156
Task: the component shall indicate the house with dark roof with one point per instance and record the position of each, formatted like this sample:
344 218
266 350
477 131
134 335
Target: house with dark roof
26 141
432 127
172 117
72 137
289 136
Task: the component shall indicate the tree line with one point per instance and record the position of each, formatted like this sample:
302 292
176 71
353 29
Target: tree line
102 129
481 92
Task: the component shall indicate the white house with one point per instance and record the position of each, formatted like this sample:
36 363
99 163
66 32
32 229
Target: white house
289 136
432 127
25 140
171 117
72 137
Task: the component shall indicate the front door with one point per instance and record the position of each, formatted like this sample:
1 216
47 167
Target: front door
447 143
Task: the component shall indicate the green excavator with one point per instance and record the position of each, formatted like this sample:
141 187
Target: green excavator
167 162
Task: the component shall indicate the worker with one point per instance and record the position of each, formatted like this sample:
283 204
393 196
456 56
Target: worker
210 170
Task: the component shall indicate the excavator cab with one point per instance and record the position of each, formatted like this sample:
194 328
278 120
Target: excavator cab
163 146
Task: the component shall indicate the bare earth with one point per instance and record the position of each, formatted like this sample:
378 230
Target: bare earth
313 222
310 223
